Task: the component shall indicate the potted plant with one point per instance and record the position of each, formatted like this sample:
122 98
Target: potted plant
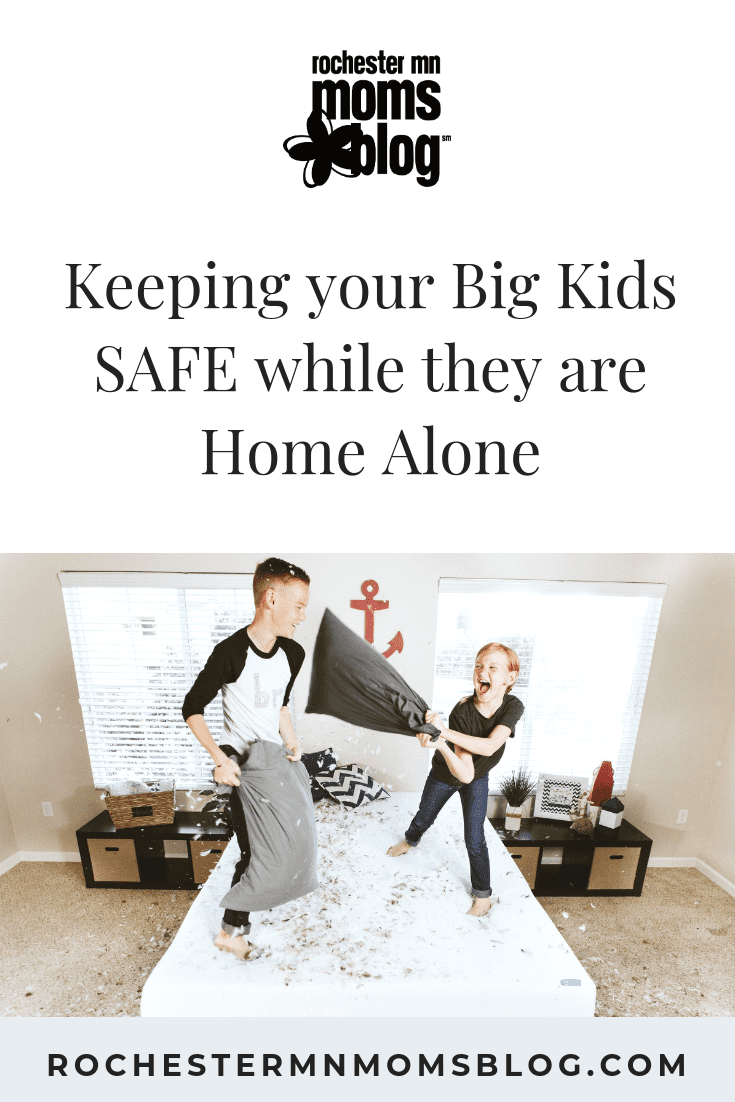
516 787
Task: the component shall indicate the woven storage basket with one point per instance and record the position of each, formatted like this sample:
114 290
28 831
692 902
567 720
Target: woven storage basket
141 809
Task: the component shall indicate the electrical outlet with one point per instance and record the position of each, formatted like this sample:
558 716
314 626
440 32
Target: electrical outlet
47 809
682 817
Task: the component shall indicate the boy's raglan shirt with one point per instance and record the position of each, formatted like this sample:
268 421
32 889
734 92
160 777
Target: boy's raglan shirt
466 718
254 685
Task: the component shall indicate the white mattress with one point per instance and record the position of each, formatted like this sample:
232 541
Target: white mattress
381 936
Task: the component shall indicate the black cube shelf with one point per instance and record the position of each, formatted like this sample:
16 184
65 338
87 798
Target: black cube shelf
178 856
555 860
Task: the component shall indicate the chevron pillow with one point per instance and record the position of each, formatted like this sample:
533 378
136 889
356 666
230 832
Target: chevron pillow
351 785
320 761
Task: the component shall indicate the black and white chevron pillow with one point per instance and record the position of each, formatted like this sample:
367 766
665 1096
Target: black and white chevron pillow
319 761
351 785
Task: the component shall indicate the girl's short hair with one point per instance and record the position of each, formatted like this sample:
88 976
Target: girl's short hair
511 657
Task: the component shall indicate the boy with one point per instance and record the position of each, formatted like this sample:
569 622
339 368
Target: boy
255 669
479 727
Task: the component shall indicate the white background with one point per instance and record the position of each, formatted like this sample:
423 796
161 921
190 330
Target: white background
148 137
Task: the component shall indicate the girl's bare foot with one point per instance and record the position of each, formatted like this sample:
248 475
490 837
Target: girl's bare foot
479 907
399 849
239 946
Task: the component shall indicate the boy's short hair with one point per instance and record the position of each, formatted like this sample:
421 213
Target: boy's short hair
275 570
512 660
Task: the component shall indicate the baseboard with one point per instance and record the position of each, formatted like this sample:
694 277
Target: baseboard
9 862
51 855
672 862
694 863
716 877
37 855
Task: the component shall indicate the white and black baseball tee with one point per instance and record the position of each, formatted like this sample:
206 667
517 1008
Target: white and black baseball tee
254 685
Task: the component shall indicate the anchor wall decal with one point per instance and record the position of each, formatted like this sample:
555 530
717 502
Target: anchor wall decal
370 605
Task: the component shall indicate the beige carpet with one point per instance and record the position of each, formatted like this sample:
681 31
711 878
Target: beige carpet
70 952
667 953
67 951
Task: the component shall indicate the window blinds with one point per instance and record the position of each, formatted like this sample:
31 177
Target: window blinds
585 650
139 641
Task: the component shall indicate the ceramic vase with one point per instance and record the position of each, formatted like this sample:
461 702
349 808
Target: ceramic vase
513 818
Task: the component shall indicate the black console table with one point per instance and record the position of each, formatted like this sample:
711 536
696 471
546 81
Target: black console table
179 856
555 860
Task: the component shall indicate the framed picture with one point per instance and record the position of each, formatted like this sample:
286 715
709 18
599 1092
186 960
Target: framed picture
556 795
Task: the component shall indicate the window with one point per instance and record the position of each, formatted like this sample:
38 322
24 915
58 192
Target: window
138 641
585 649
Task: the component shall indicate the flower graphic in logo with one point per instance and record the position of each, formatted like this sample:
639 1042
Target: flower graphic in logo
324 149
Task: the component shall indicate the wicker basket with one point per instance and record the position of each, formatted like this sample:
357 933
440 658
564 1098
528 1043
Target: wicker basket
141 809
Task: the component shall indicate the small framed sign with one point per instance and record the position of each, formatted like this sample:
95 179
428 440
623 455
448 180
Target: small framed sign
556 795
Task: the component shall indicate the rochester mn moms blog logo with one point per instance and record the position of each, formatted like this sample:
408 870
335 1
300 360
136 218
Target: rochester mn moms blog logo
350 150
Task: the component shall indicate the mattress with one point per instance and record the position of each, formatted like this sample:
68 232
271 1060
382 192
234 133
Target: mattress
380 937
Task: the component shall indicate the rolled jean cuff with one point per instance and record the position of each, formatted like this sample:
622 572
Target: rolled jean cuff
479 893
235 931
410 843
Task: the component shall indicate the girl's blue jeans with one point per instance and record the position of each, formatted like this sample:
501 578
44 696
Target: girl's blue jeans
474 808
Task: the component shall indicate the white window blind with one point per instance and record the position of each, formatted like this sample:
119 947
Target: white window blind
139 640
585 650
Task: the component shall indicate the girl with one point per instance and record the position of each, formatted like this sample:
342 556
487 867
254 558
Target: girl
479 727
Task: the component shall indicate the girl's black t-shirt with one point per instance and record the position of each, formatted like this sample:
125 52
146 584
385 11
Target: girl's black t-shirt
466 718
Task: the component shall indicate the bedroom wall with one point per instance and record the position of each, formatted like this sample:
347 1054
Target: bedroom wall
8 841
714 839
684 725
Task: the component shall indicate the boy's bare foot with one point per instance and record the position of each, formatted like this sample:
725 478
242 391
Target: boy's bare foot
479 907
399 849
239 946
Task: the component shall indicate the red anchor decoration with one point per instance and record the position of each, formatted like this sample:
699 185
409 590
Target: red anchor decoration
395 645
370 606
